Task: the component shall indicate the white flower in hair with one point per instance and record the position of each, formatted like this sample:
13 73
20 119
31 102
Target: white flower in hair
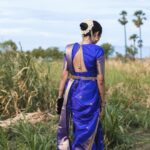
89 28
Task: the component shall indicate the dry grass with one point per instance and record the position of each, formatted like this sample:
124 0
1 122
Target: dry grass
28 85
32 118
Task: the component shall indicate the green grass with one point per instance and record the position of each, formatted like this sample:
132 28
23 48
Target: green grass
24 136
28 84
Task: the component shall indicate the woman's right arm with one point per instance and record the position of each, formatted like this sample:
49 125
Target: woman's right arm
101 77
101 87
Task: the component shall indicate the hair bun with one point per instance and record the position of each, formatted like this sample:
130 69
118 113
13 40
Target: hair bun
83 26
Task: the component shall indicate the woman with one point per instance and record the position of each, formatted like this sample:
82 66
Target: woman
82 87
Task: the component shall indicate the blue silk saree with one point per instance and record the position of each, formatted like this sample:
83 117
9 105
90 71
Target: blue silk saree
81 106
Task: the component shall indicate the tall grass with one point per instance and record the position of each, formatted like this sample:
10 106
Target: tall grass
28 84
127 97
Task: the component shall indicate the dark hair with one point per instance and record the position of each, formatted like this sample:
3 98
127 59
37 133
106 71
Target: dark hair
96 28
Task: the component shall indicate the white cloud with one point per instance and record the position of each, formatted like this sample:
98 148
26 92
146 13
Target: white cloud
55 22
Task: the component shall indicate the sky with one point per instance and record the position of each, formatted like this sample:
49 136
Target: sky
49 23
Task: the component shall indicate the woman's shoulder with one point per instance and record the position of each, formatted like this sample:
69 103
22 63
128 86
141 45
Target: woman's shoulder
68 47
72 44
98 47
99 51
95 49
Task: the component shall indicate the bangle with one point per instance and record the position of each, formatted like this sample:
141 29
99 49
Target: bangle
59 97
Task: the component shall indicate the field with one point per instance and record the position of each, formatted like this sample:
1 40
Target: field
29 85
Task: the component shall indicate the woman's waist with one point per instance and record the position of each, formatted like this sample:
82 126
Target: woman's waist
82 77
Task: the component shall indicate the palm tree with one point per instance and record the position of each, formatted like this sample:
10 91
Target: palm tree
133 37
123 21
140 16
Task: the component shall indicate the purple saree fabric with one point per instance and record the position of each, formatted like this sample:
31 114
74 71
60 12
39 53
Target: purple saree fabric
82 104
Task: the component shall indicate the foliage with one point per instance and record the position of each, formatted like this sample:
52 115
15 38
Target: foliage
131 52
49 53
54 53
108 48
133 37
119 56
123 20
38 52
140 16
8 45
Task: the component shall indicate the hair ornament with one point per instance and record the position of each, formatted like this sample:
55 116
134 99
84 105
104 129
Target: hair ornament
89 28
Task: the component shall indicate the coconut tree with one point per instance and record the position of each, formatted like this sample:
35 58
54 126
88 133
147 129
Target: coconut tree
138 21
123 21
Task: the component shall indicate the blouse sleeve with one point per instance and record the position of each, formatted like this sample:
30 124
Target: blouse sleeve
100 61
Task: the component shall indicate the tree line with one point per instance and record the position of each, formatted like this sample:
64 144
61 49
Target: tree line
50 53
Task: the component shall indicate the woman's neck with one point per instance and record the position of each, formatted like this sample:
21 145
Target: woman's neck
86 40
